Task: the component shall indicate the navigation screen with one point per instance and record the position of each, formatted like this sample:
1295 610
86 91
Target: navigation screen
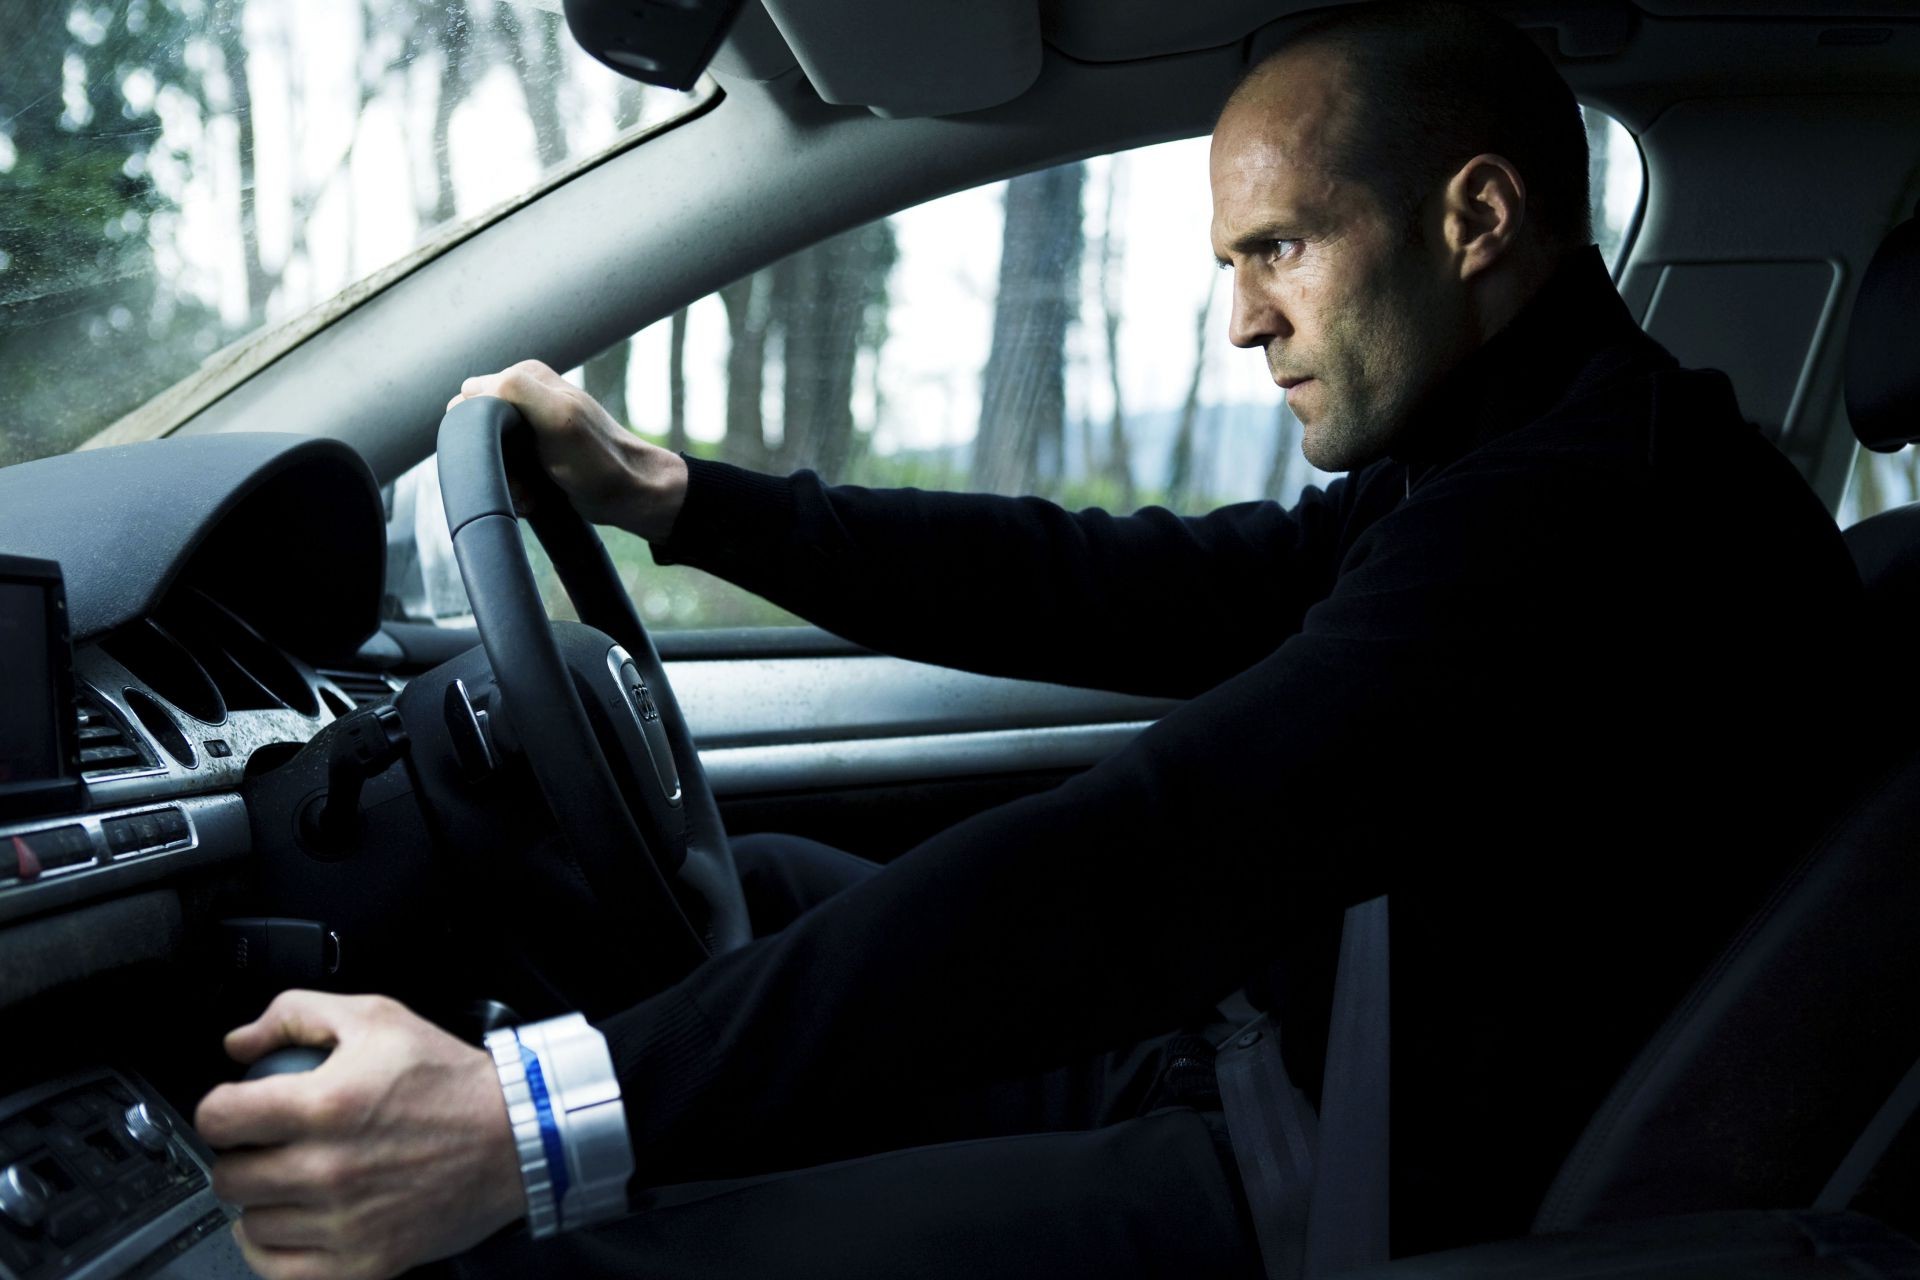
29 740
36 707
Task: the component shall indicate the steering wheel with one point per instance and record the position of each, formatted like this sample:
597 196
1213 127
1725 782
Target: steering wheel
629 853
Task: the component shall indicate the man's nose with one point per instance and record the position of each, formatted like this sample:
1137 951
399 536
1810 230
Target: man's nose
1257 318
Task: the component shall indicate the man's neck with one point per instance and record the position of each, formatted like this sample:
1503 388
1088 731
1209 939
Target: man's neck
1513 282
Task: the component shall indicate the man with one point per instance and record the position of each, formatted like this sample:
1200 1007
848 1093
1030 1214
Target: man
1517 667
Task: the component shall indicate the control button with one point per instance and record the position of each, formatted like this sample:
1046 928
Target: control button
121 1200
146 829
121 837
150 1181
17 858
173 826
19 1256
23 1196
75 1220
93 1167
148 1127
217 748
71 1111
59 846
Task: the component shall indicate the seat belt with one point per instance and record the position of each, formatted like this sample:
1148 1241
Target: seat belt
1874 1141
1317 1189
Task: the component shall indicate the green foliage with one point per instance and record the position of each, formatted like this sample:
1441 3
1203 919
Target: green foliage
79 291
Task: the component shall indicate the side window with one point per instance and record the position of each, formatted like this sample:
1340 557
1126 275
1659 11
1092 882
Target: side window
1061 334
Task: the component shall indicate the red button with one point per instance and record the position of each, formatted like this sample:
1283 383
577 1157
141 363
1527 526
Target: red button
29 861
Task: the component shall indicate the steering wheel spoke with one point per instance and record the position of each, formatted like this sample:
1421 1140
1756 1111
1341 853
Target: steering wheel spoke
589 705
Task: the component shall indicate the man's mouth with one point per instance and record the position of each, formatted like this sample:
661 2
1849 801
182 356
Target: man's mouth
1288 384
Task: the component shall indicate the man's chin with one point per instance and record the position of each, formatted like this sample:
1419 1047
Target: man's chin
1327 450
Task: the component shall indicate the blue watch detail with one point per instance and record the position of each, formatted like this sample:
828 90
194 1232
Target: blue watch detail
549 1133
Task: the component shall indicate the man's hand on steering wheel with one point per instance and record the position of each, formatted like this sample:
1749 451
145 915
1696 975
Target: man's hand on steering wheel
393 1152
613 476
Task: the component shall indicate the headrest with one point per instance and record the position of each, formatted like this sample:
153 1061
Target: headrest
1883 345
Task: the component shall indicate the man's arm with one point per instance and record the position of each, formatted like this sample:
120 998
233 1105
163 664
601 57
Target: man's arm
1115 906
1126 900
1149 603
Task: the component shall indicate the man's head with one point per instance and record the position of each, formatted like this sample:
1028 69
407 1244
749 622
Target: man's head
1388 189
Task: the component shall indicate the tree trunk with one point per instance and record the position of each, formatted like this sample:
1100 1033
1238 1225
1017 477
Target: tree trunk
605 376
1119 459
540 71
744 443
1285 445
1182 477
454 84
677 381
823 298
1023 388
230 22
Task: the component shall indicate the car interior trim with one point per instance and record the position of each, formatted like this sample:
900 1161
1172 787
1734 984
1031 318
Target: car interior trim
802 701
736 771
216 831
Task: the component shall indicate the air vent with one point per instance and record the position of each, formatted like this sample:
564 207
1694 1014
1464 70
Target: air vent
365 688
163 664
161 726
105 744
251 672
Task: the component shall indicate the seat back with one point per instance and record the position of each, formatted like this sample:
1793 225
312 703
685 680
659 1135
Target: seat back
1797 1042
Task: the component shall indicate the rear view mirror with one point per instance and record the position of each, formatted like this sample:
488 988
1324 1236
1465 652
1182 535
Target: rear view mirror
663 42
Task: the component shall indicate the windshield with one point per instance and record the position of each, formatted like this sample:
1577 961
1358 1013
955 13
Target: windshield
179 175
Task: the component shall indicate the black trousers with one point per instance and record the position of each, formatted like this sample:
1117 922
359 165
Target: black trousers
1075 1173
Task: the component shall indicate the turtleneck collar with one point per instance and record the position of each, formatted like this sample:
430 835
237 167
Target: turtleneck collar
1524 370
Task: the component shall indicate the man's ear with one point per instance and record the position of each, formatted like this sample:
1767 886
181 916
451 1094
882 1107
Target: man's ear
1484 208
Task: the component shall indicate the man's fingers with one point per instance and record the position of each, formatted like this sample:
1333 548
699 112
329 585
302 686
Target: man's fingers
285 1176
295 1017
290 1227
256 1113
285 1264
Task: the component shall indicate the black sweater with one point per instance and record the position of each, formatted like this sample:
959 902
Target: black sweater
1545 675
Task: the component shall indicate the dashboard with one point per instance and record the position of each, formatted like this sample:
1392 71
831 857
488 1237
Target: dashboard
221 594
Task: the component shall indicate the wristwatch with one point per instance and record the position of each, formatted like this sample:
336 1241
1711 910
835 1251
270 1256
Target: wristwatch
569 1127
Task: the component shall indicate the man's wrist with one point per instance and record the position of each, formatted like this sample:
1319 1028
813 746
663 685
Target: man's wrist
569 1126
660 490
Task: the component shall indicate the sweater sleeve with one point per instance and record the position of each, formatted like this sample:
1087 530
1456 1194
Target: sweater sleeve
1149 603
1116 905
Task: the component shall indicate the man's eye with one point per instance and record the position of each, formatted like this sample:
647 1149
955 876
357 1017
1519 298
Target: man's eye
1282 248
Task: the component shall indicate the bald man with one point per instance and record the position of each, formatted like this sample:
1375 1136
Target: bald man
1506 669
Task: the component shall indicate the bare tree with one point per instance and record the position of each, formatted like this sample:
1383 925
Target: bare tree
229 22
1285 447
1023 388
459 69
827 302
745 441
539 63
1119 459
606 373
677 381
1182 474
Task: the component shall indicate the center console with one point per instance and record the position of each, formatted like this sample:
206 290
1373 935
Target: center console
100 1178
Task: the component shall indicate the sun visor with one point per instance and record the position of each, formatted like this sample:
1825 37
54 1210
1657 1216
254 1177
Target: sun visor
925 58
753 50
